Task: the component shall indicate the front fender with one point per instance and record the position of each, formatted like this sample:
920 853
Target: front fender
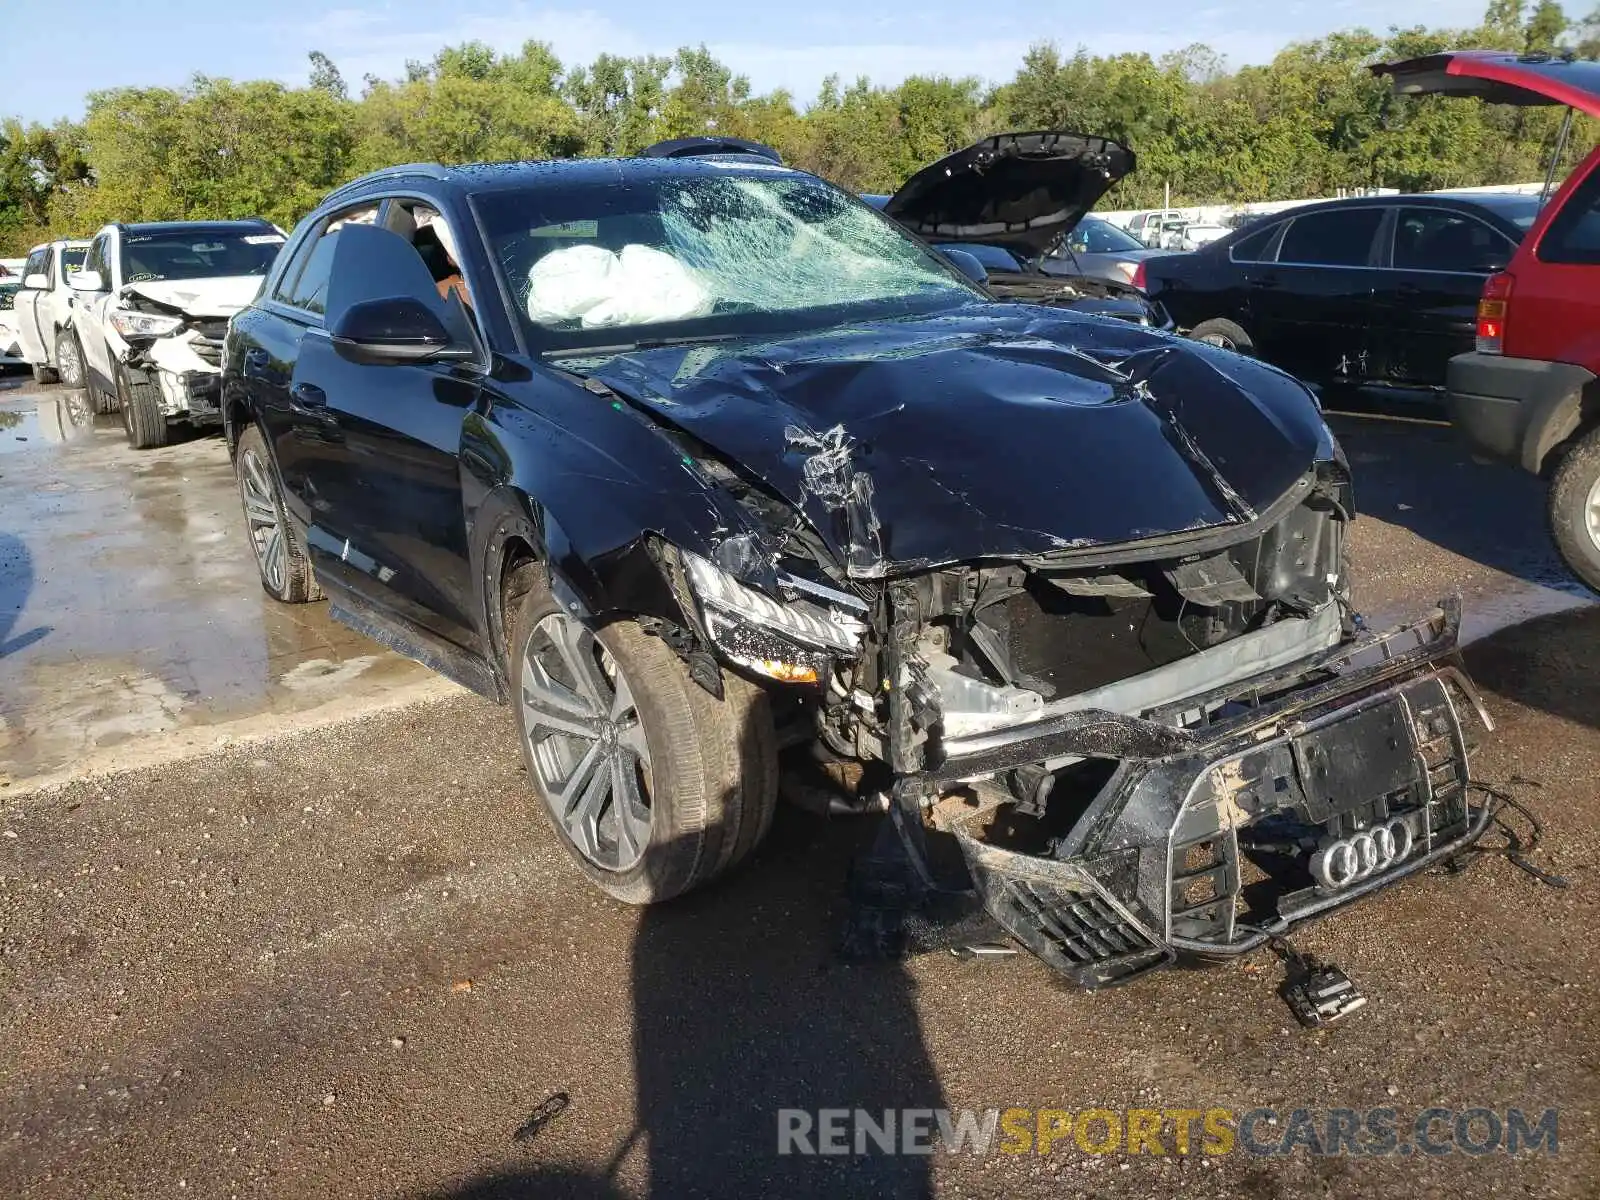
587 483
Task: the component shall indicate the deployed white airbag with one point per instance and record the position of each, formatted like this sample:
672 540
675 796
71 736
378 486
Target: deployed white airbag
639 286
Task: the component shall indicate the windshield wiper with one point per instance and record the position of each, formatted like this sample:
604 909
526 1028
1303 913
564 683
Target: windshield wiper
641 344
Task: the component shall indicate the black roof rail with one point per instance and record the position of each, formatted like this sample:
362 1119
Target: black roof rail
426 170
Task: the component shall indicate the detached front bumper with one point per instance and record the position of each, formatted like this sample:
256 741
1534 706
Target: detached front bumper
1234 815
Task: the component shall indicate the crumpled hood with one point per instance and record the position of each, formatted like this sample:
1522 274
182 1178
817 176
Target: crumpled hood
1006 431
221 297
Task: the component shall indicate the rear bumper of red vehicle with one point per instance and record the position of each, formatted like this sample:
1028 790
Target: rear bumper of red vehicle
1515 409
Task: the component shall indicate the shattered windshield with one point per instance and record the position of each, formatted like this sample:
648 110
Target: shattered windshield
704 253
197 254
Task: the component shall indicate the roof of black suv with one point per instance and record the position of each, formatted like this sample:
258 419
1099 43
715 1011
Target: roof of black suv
501 176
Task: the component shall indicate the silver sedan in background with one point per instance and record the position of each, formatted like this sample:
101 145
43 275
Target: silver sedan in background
1100 250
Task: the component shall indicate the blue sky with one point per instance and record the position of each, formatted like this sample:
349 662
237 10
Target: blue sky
105 43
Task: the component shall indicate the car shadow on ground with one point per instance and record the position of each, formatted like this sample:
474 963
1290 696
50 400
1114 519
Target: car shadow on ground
743 1009
16 585
1422 477
1544 664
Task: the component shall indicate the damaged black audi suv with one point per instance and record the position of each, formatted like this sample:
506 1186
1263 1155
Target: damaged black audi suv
687 459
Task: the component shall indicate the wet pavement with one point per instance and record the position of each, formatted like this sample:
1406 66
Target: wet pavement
346 957
131 621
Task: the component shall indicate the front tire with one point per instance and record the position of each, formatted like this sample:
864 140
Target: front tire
653 786
142 418
1573 508
282 560
1224 334
42 373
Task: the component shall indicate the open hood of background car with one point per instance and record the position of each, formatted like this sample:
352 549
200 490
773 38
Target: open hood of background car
1023 191
1500 78
986 431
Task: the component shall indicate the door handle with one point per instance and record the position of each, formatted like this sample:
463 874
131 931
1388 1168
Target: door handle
308 395
1408 289
1265 281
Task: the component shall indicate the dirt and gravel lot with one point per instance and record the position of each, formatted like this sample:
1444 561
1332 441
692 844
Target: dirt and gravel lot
340 954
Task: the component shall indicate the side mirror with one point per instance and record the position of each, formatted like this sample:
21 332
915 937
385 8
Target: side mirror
967 264
397 329
86 281
38 281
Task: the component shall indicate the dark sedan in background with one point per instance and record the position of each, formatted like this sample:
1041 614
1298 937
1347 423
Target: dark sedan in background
1371 291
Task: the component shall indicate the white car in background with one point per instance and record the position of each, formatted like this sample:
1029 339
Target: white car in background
1147 227
1191 235
151 309
10 347
44 312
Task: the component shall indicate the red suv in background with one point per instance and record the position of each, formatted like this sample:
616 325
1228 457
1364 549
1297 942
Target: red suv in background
1529 392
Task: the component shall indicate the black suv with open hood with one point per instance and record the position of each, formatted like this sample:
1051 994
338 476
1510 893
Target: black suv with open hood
688 457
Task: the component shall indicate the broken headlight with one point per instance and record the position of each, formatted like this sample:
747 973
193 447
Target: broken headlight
131 324
729 604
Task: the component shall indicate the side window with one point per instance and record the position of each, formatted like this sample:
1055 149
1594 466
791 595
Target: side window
96 259
1340 238
1254 247
35 263
1574 233
1439 239
305 284
434 241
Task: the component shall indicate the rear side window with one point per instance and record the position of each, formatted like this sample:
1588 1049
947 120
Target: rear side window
1341 238
1438 239
1574 234
305 284
1254 247
310 290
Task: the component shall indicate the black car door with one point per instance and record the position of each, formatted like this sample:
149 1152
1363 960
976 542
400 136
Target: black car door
389 527
1426 307
1310 309
264 343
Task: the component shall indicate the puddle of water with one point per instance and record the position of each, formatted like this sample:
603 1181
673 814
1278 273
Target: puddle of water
42 421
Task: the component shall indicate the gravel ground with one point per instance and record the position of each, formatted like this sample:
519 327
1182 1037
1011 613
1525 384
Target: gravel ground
351 961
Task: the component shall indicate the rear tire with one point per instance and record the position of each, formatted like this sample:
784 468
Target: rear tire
142 418
701 794
43 374
1223 334
69 359
1573 508
282 561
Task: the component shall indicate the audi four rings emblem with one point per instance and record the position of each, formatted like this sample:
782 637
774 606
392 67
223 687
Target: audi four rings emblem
1340 862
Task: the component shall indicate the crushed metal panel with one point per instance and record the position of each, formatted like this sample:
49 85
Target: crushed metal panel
1211 581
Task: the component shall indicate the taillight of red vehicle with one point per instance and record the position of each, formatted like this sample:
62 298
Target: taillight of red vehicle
1139 280
1493 308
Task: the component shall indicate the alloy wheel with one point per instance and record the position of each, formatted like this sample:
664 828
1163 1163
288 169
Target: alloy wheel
69 367
1221 341
261 518
586 742
1591 514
